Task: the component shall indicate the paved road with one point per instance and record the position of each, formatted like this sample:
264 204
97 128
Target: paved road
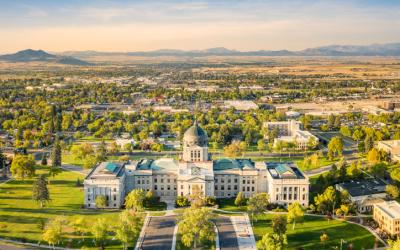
14 247
227 234
159 233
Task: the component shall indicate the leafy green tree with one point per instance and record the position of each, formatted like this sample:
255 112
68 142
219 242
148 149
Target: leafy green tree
101 201
368 143
53 231
182 201
335 147
272 241
89 162
240 199
258 203
324 238
261 145
23 166
393 191
196 227
325 202
373 156
295 213
99 231
135 200
40 192
279 224
394 244
128 229
395 174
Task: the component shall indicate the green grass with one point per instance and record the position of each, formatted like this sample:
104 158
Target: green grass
229 205
21 217
307 234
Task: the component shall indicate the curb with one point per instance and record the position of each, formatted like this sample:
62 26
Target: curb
174 237
142 232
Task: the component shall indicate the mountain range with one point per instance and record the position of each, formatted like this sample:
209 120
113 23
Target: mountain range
78 57
389 49
31 55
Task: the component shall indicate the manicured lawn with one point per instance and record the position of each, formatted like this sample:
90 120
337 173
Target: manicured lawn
229 205
307 234
21 218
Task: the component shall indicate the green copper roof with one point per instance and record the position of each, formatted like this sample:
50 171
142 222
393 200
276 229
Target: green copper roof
111 167
227 163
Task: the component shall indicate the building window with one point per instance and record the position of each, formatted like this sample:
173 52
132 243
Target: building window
235 180
248 189
244 181
155 187
252 189
235 187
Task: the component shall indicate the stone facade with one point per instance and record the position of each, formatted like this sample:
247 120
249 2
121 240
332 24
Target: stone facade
222 178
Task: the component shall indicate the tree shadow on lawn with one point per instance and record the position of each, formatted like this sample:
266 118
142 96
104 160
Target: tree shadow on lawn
310 239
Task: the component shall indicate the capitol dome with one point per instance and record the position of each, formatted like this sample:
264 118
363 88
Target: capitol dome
195 135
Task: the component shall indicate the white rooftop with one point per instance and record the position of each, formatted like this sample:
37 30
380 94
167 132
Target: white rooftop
391 208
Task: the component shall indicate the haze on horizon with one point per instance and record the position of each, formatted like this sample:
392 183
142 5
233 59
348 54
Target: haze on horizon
242 25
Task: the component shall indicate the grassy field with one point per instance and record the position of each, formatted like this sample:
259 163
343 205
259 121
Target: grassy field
229 205
307 234
21 218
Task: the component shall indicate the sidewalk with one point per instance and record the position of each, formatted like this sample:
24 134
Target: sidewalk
244 232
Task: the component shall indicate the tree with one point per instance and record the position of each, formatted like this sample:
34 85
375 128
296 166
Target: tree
56 153
393 191
113 148
150 198
272 241
240 199
279 224
235 149
44 160
99 231
324 238
53 231
135 200
101 201
196 197
23 166
368 143
40 192
89 162
128 229
395 174
196 227
258 203
335 147
312 143
394 244
261 145
373 156
295 213
182 201
325 202
101 152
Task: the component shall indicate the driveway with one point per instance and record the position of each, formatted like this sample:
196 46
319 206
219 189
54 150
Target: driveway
159 233
226 233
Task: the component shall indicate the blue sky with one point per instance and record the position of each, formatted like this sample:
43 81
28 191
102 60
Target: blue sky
146 25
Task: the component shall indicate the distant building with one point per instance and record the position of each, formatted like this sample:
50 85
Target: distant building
241 105
292 114
392 147
290 131
365 193
391 105
375 110
387 215
195 170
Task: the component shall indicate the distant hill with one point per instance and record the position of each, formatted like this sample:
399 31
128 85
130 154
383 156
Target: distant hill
31 55
391 49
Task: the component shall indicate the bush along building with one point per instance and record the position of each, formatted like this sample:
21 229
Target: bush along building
169 178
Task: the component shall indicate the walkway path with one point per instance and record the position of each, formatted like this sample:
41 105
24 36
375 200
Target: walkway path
159 233
244 232
227 233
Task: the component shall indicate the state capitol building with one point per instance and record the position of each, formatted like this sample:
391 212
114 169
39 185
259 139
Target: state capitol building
222 178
